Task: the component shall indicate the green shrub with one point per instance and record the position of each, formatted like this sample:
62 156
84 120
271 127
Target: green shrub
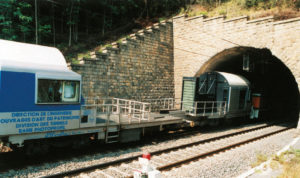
297 4
74 61
222 12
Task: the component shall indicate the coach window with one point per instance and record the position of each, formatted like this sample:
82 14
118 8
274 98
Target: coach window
57 91
70 91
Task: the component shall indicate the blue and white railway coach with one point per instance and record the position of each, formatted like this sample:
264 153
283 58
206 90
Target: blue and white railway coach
39 96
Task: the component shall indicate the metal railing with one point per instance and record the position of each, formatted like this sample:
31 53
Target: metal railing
104 111
134 110
161 104
211 109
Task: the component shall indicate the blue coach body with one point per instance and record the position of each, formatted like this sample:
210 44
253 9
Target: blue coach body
38 93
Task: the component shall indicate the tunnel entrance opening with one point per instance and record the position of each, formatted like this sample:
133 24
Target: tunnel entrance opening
267 74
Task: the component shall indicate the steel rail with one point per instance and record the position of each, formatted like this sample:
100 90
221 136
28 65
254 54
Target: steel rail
128 159
218 150
202 155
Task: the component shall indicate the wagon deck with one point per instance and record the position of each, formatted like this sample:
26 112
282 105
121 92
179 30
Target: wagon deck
126 122
129 114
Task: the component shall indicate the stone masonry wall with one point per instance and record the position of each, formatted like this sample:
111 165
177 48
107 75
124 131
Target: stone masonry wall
151 63
140 67
197 39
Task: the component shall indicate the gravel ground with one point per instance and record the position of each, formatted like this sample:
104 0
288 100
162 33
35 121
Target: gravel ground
180 154
297 145
52 168
234 162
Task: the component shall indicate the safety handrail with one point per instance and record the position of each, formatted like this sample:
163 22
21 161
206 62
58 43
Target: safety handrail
133 109
208 108
162 104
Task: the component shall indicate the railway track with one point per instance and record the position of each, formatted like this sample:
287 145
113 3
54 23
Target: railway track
57 155
7 162
175 156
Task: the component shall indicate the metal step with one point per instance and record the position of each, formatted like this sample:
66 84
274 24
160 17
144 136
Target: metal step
112 141
113 129
113 136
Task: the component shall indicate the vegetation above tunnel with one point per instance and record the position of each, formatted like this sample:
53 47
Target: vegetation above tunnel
280 9
78 27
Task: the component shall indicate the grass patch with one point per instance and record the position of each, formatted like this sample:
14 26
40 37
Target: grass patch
291 164
108 46
161 19
260 158
74 61
282 9
83 55
274 164
100 50
258 171
281 158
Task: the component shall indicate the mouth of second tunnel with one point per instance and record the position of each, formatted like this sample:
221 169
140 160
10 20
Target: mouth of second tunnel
268 76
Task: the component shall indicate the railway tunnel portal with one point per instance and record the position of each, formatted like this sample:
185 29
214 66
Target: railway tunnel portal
268 76
271 48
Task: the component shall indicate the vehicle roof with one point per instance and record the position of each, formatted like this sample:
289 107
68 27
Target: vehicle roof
235 80
11 51
24 57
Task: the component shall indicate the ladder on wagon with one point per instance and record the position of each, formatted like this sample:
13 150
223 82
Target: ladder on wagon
107 109
113 109
112 133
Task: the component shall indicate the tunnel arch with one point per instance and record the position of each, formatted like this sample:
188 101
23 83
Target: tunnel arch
268 75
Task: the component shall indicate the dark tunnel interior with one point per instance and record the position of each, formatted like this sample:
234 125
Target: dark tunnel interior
267 74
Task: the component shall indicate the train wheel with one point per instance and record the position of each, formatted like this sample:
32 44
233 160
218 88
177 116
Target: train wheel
80 142
36 148
45 148
30 149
